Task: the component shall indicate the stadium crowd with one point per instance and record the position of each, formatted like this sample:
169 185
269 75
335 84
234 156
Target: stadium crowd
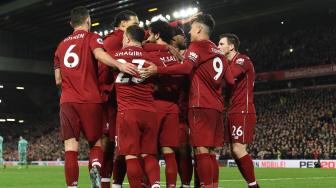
294 125
292 49
290 125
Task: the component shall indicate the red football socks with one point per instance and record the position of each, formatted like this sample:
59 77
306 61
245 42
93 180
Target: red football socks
171 170
71 168
119 170
152 169
96 156
215 169
185 168
197 183
246 168
134 172
204 169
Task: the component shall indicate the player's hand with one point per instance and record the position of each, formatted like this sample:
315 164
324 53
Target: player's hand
175 52
190 19
128 68
148 71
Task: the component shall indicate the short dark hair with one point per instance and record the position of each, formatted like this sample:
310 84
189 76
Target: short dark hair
78 15
136 33
123 16
207 20
232 39
178 31
163 29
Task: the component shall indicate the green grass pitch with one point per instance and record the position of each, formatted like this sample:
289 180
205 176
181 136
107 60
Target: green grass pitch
53 177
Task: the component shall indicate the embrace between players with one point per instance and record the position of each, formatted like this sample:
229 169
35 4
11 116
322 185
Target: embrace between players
136 91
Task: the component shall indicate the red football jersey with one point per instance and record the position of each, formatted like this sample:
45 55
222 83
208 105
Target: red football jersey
78 66
112 43
133 92
242 99
210 70
168 87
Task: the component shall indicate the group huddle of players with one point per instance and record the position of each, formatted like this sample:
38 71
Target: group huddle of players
136 94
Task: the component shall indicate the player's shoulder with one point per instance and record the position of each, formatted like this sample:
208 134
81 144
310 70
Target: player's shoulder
242 60
130 52
114 34
97 38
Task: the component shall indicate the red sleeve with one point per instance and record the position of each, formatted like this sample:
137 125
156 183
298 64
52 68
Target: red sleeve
175 23
96 42
184 68
56 60
191 60
239 66
112 43
229 78
193 55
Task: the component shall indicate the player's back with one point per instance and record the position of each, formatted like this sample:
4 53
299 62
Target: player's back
112 43
210 66
74 56
242 98
168 87
133 92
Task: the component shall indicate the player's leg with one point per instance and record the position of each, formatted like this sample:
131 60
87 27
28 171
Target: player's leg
134 171
183 156
106 171
128 144
150 132
171 166
91 121
71 162
25 162
119 171
242 130
169 141
197 182
185 167
215 174
1 157
203 127
70 131
219 142
244 163
108 144
204 166
20 159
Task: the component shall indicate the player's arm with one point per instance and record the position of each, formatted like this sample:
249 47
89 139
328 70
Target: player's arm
240 66
58 78
189 62
236 70
57 70
183 68
97 48
184 21
228 76
105 58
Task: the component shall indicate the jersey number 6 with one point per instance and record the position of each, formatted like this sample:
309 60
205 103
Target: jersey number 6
69 54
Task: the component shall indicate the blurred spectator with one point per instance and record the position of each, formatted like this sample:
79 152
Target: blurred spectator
291 125
286 50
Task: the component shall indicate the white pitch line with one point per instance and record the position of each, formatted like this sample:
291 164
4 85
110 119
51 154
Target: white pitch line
280 179
271 179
